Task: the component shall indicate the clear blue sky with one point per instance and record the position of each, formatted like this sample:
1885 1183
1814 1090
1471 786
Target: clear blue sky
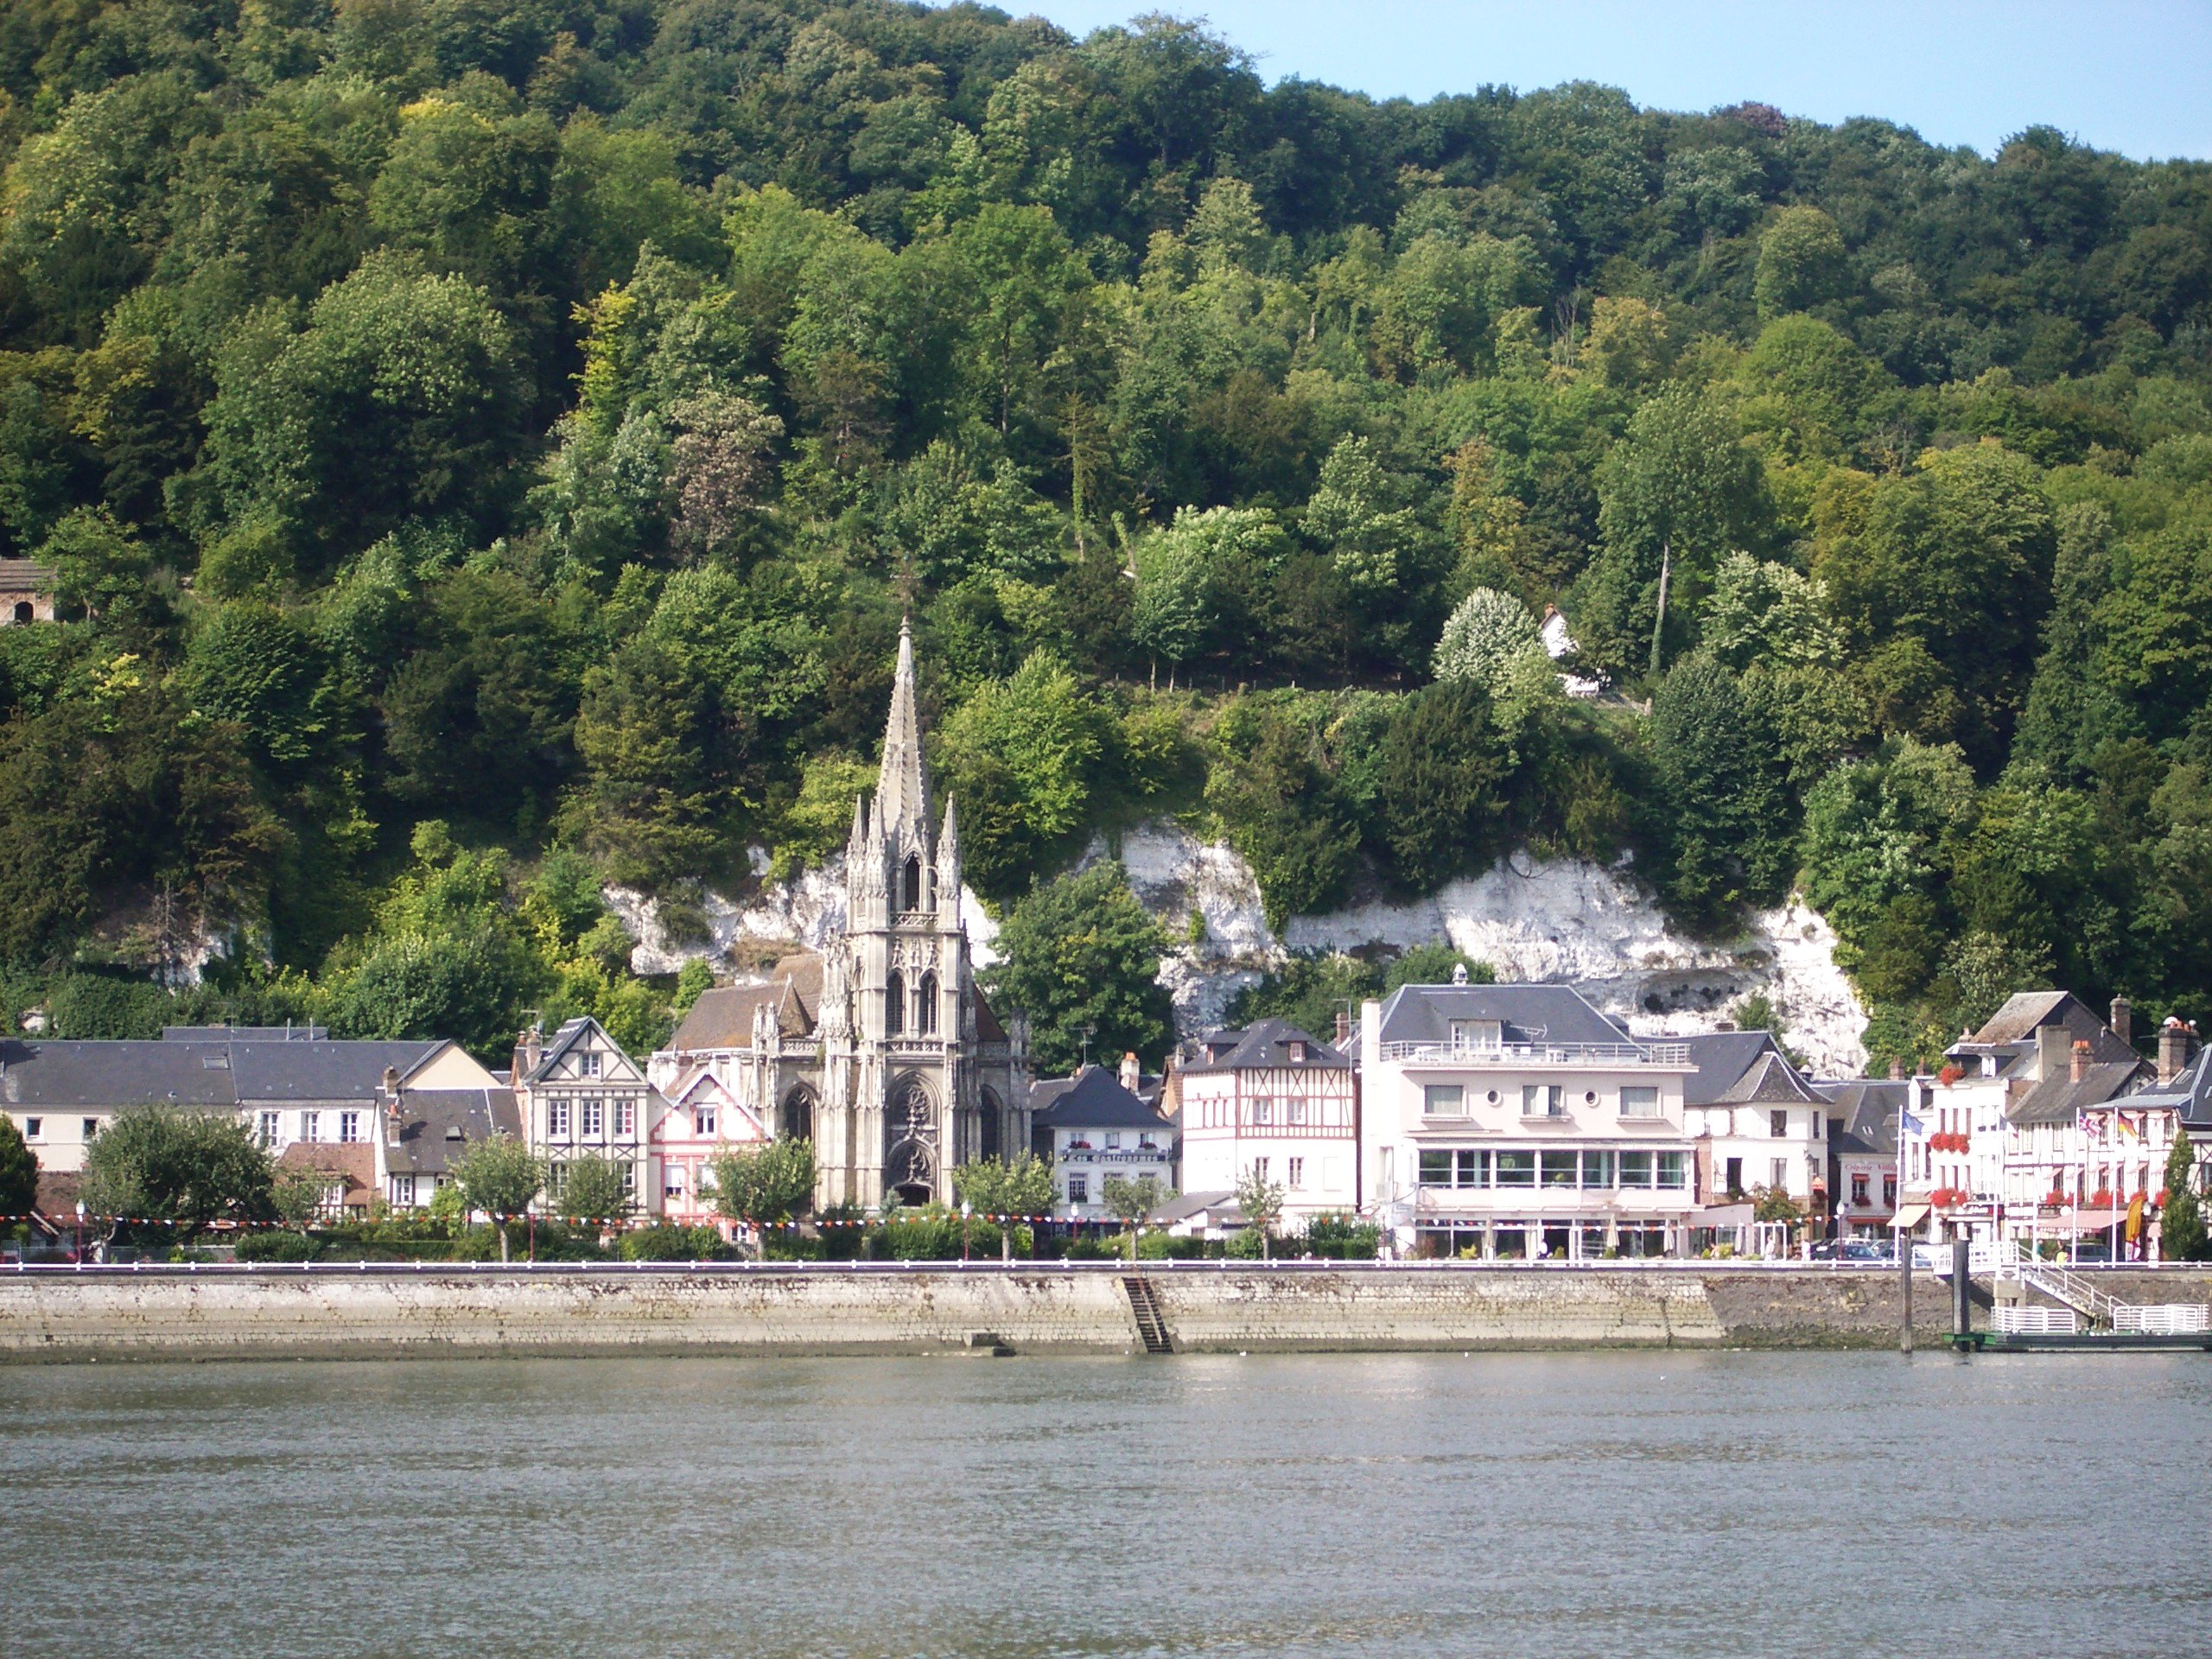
2130 75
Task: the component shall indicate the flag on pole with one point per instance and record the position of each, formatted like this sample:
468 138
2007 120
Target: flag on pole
1912 1124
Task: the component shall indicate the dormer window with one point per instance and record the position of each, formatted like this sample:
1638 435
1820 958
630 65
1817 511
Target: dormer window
1477 1033
1298 1053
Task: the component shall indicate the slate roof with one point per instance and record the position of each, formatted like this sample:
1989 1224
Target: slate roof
1092 1099
37 1072
1743 1068
2056 1099
1266 1043
435 1126
2189 1092
1868 1111
2011 1032
1527 1014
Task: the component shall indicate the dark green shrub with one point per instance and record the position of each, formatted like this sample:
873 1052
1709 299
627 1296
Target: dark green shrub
278 1247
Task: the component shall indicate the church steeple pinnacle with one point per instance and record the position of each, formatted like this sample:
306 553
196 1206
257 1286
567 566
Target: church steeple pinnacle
902 796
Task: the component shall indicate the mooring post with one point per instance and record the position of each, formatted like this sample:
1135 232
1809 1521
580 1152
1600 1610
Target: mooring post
1961 1289
1904 1293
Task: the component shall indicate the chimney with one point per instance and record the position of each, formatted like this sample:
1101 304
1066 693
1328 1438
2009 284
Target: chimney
1897 1070
2081 1059
1132 1072
2123 1020
529 1044
1344 1027
2053 1044
2176 1043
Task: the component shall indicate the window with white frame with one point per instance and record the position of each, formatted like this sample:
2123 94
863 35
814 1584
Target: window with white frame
671 1181
1639 1100
1777 1124
266 1131
91 1127
34 1129
1295 1110
1636 1169
1673 1170
1263 1111
349 1128
310 1125
1297 1174
629 1180
1145 1142
1113 1140
1542 1100
1258 1169
625 1117
403 1191
1444 1100
594 1116
1781 1173
1079 1189
1477 1033
588 1062
703 1120
557 1117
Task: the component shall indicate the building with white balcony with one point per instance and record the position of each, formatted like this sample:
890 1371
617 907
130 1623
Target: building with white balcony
1270 1099
1095 1125
1516 1121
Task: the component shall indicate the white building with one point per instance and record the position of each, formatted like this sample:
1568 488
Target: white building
1516 1121
1757 1122
1096 1125
695 1117
1958 1148
1272 1099
580 1096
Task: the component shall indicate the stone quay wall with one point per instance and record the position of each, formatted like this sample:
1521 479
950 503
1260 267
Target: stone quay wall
167 1313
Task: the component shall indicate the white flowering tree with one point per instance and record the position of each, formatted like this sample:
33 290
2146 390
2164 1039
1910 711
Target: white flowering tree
1487 635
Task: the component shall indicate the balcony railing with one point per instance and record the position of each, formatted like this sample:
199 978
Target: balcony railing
1521 1054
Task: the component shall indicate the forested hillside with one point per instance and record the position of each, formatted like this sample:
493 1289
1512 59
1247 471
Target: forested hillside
485 448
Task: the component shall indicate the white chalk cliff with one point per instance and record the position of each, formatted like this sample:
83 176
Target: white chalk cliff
1565 921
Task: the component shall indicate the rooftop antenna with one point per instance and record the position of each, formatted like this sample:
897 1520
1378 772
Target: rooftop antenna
1087 1032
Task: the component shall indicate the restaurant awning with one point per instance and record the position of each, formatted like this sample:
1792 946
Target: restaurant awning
1721 1214
1909 1217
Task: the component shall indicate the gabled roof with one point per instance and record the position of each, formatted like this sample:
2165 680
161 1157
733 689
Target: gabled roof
23 573
574 1036
1267 1044
1743 1068
722 1017
1527 1014
1092 1099
436 1125
2056 1099
1868 1109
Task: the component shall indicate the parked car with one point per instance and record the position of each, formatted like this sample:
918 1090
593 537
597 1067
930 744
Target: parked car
2092 1252
1868 1249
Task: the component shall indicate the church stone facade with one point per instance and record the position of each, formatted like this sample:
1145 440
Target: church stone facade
880 1047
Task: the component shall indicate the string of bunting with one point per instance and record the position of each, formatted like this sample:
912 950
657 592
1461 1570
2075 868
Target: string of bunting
227 1223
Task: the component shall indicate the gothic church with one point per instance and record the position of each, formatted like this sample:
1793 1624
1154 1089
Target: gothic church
880 1047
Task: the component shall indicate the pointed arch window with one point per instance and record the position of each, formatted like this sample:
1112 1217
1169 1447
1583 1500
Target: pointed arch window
894 1004
926 1006
911 886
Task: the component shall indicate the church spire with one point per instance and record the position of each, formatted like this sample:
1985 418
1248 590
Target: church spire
902 795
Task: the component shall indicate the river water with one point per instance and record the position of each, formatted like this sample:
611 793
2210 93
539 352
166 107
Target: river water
1541 1505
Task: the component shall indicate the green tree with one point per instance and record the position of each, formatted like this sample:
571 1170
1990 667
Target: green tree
1260 1201
1441 793
18 1171
1726 819
501 1177
2180 1224
762 1187
591 1189
1802 261
1130 1200
296 1196
1078 956
1005 1188
184 1168
1018 755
